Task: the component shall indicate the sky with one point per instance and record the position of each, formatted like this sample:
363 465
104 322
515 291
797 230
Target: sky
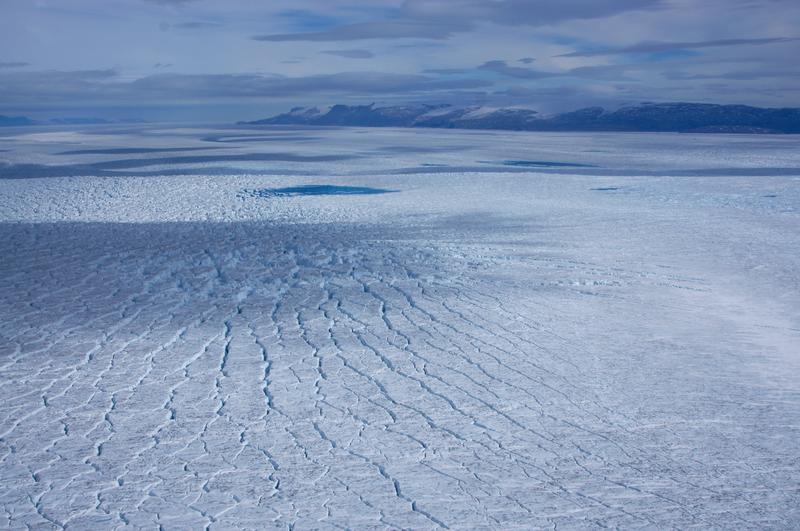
215 60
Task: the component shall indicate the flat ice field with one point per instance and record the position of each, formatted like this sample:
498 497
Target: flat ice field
241 328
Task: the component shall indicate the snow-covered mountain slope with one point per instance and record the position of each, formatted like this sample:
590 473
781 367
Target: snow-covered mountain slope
368 329
663 117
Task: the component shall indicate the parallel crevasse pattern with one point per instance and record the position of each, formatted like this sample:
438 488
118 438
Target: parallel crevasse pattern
240 376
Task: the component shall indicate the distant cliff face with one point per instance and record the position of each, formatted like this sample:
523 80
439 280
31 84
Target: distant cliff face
665 117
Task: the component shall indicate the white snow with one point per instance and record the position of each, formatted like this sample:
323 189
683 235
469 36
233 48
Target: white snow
483 345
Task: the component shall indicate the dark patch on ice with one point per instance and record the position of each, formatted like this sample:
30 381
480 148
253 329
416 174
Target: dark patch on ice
131 151
541 164
596 171
766 171
444 168
35 171
421 149
313 189
105 168
214 170
233 139
605 189
770 196
201 159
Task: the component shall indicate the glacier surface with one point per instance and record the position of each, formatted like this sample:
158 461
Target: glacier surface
309 328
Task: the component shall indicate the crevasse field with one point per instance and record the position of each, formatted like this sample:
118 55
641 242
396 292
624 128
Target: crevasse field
236 328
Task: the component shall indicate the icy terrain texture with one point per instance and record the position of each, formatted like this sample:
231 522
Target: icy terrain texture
241 328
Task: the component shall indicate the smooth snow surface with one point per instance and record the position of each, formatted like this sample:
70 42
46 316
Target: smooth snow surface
372 328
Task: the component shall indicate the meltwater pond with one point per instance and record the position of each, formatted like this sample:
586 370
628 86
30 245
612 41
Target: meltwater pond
542 164
313 189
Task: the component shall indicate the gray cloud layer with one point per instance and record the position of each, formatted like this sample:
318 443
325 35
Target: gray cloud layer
501 67
606 72
390 29
105 86
350 54
657 47
440 19
170 2
455 51
196 25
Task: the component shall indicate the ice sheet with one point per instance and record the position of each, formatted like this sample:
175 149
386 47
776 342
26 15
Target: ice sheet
614 342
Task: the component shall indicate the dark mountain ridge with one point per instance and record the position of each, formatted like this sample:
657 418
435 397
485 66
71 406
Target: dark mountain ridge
645 117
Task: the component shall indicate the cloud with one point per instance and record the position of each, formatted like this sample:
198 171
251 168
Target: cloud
602 72
106 87
398 29
660 47
445 71
351 54
738 75
170 2
50 85
303 19
561 98
440 19
166 26
255 85
502 68
607 72
196 25
522 12
447 50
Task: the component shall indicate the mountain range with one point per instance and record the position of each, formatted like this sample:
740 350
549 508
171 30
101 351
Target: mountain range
645 117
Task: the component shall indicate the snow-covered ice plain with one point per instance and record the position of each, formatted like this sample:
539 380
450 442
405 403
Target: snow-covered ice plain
374 328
